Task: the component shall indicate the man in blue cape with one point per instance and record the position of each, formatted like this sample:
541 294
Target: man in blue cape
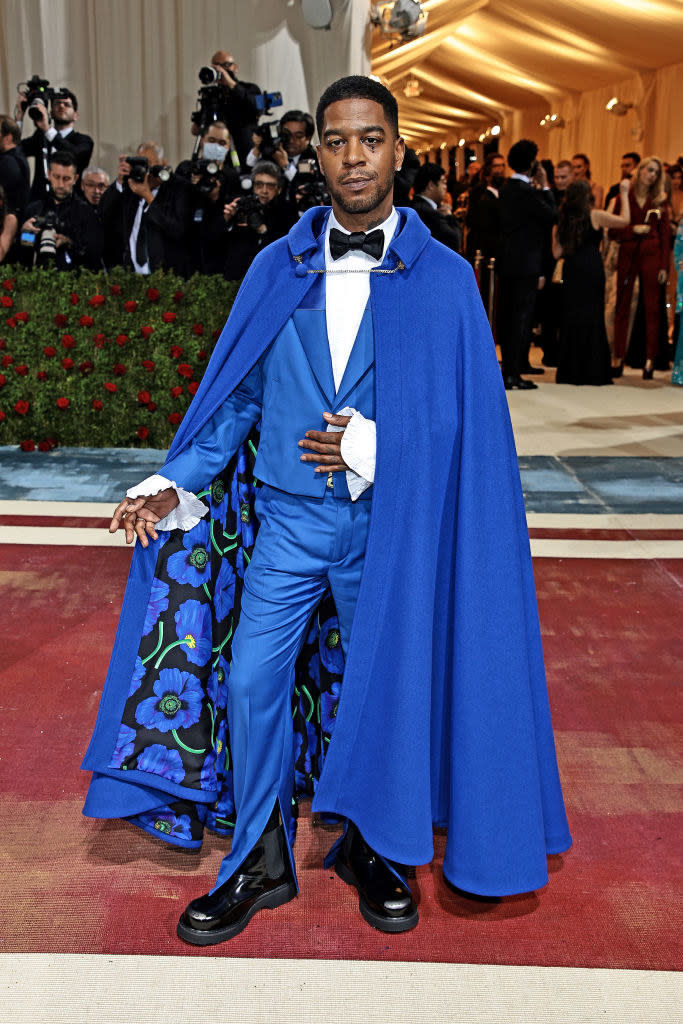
387 475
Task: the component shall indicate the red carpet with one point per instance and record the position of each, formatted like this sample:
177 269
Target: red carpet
612 633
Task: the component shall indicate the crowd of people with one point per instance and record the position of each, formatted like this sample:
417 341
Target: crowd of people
579 270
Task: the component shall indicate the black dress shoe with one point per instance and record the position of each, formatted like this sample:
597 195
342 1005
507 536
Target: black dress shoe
617 371
536 371
263 881
648 374
384 900
517 384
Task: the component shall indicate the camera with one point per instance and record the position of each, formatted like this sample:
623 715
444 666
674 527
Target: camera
44 235
249 210
214 99
140 168
311 193
209 175
269 134
37 90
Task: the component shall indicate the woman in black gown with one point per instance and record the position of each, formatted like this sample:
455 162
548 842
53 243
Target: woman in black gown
584 355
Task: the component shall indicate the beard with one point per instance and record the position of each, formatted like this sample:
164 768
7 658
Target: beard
377 192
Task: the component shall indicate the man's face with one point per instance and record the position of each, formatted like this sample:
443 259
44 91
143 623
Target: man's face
218 135
94 186
358 156
266 188
225 60
295 137
563 176
628 166
62 181
579 168
498 167
6 143
63 112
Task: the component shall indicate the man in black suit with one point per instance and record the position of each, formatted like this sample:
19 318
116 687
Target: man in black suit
295 156
527 213
629 162
56 137
429 189
145 222
237 103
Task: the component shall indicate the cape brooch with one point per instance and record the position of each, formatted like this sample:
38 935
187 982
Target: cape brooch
371 270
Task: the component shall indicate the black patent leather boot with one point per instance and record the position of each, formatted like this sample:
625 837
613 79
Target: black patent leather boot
384 899
264 880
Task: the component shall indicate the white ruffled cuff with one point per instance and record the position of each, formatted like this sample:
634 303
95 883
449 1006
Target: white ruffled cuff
358 450
187 512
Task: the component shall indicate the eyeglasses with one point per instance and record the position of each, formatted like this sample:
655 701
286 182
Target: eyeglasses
265 186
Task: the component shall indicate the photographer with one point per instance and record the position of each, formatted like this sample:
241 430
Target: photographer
291 148
214 182
66 231
55 134
14 171
430 205
236 103
94 183
256 220
145 214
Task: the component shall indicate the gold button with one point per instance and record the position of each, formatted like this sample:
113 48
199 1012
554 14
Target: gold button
330 481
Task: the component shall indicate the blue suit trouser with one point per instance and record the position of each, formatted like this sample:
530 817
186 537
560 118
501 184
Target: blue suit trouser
304 545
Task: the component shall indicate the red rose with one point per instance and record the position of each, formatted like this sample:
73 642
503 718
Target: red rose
115 289
68 340
198 329
153 295
96 404
178 296
67 363
8 360
146 330
11 322
3 380
61 319
27 446
44 446
169 317
152 406
50 351
21 369
201 355
111 388
143 397
174 417
143 432
86 321
23 317
130 306
96 300
177 391
73 299
185 370
215 334
86 366
148 364
192 387
176 351
8 283
41 375
2 416
99 340
21 407
6 301
63 403
119 369
3 343
121 339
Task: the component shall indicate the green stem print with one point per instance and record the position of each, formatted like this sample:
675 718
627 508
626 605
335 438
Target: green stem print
190 750
161 637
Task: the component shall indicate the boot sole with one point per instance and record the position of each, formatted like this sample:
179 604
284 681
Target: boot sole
379 921
269 901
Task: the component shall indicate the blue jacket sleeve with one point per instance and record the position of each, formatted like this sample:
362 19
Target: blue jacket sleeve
196 465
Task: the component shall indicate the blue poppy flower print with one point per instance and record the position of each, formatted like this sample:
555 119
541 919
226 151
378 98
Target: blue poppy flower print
218 499
193 628
138 673
329 702
224 591
158 603
193 564
207 778
176 704
125 745
159 760
330 647
217 685
166 822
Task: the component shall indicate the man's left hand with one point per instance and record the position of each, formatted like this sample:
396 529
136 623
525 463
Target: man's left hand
326 445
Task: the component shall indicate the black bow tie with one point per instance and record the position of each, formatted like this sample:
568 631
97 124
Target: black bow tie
341 243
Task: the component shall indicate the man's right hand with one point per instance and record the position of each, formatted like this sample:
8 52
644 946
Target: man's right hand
123 168
138 516
44 122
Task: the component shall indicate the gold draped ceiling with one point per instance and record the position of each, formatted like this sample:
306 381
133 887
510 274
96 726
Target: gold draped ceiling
486 62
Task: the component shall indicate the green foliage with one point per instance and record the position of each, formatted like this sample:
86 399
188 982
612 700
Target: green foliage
45 401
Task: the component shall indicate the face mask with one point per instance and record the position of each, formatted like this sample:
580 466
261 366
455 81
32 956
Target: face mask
214 151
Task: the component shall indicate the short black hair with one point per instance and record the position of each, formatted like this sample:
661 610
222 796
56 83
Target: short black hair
357 87
267 167
632 156
63 158
299 115
69 95
427 173
522 155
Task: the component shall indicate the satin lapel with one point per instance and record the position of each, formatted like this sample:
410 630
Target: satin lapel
361 359
311 326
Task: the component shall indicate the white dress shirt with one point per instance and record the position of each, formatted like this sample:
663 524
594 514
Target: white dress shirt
346 296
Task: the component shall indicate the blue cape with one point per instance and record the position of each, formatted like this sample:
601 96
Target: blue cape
444 716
